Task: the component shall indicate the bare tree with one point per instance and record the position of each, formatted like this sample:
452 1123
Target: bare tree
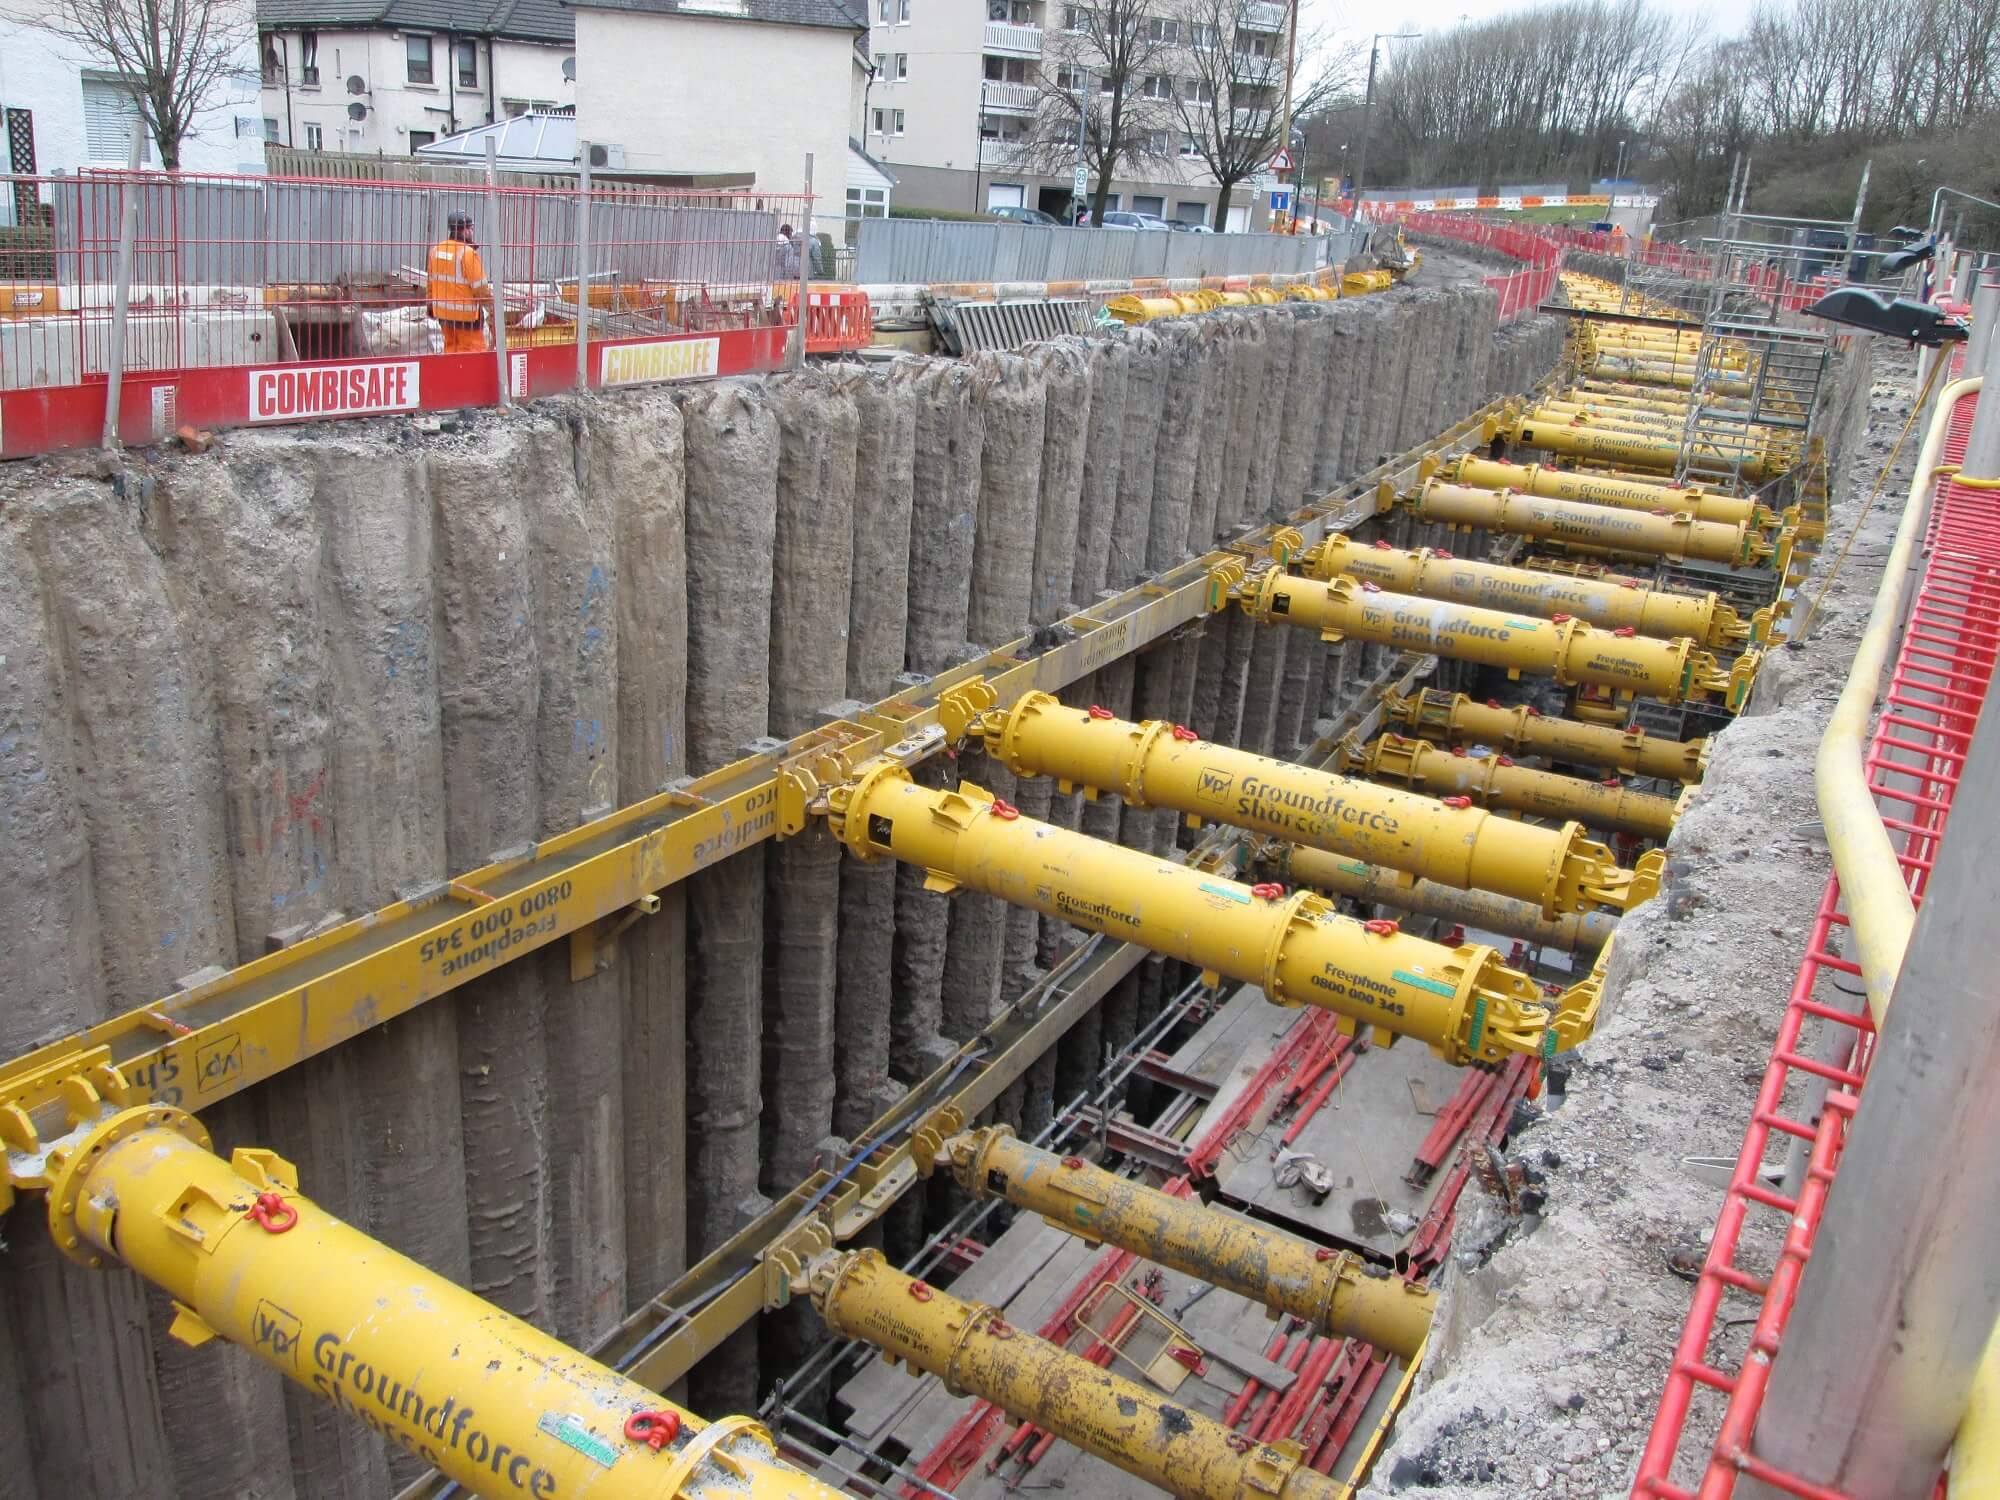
1114 60
174 53
1229 100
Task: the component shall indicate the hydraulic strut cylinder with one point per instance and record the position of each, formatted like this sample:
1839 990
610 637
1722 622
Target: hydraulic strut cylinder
978 1353
1557 434
1679 377
1463 1002
1495 781
1598 489
1605 604
1454 719
1678 537
1157 764
1337 875
1567 650
467 1388
1339 1294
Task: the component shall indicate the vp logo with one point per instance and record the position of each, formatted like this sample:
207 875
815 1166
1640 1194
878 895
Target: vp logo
276 1330
219 1063
1213 785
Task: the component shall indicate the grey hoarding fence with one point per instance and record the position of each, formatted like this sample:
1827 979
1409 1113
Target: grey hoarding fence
933 251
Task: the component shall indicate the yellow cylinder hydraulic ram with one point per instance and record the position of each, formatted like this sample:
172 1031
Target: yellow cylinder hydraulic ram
1645 372
1337 875
1454 719
1608 605
1157 764
1341 1295
1624 418
1495 781
1679 538
1554 433
1463 1002
1597 489
469 1389
1567 650
978 1353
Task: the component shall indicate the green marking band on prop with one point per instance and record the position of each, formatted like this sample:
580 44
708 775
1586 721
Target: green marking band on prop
571 1433
1527 624
1351 866
1425 984
1241 898
1478 1024
1687 673
1549 1043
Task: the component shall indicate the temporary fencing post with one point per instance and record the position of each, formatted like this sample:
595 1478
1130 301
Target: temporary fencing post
121 305
804 245
583 266
493 269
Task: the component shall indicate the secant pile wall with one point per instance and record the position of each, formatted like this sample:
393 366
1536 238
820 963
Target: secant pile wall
244 694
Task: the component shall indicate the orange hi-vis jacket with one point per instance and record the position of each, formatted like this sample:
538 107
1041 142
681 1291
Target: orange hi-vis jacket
458 288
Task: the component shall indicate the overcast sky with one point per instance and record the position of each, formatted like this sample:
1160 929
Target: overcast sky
1351 17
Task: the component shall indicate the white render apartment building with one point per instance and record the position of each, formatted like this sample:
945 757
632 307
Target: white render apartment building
958 86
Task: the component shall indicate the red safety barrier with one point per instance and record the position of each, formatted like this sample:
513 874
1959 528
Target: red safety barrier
1520 292
1936 690
839 319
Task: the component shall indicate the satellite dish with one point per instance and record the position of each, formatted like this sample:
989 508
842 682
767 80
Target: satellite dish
356 84
569 70
357 111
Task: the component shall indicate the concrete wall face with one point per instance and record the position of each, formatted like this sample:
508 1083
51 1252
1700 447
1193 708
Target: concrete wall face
246 693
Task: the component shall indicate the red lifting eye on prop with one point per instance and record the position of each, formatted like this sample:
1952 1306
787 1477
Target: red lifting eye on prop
1323 1255
1182 732
1269 890
1072 1163
1561 619
273 1214
1503 760
1370 588
1611 781
1492 702
1005 811
1382 546
655 1429
1456 801
1658 512
1381 926
1459 751
919 1292
1099 711
1625 630
1440 552
1534 712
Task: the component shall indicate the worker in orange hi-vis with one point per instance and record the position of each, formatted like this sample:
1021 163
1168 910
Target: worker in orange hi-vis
459 290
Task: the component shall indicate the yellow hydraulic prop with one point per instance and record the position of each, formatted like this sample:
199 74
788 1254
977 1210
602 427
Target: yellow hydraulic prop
978 1353
1337 875
1553 432
1157 764
1600 489
1679 377
1567 650
1604 603
1463 1002
467 1388
1454 719
1677 537
1341 1295
1495 781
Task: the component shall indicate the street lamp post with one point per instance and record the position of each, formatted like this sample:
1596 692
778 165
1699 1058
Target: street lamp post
1618 173
1368 109
1077 178
979 145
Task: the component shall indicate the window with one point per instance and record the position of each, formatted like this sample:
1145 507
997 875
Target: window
465 56
903 12
309 59
881 65
1252 46
417 55
274 70
1076 18
1158 86
270 129
1158 143
996 10
421 138
867 203
1197 91
1203 37
888 122
884 10
1006 70
1160 29
1071 80
1191 146
314 138
110 105
902 66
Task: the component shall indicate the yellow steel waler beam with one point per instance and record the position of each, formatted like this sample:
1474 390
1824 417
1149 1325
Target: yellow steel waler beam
1463 1002
1455 719
1678 537
1495 781
1596 489
1157 764
976 1352
1340 1295
1567 650
453 1380
1604 603
1337 875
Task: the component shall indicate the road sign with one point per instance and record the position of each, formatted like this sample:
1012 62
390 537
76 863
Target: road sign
1282 161
1281 199
1080 184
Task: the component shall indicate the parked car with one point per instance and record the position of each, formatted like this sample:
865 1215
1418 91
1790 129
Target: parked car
1120 219
1178 226
1014 214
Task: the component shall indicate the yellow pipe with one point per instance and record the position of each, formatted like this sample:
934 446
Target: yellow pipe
1157 764
1880 912
1596 489
1628 418
469 1389
1495 781
1975 1454
1641 372
1554 433
1679 538
1455 719
1339 1294
977 1353
1337 875
1567 650
1604 603
1463 1002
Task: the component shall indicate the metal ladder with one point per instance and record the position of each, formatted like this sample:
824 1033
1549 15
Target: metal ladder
1751 378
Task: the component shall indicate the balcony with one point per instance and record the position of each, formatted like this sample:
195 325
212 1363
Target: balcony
1013 41
1009 98
1001 156
1262 16
1260 72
